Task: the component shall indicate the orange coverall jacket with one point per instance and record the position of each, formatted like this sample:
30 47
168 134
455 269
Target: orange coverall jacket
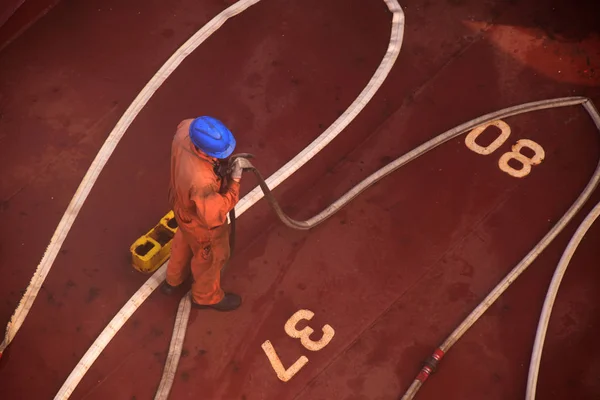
201 203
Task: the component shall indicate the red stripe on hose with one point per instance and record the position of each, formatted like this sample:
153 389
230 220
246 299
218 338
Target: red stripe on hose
438 354
424 374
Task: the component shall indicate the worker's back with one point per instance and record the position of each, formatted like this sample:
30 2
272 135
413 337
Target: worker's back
192 178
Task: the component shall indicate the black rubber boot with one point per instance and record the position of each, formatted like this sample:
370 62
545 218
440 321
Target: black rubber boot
230 302
167 289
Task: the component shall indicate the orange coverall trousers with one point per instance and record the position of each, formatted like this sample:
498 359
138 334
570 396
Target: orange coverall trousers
201 202
203 260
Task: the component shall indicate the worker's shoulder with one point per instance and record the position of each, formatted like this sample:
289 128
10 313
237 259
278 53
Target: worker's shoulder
182 132
183 127
185 123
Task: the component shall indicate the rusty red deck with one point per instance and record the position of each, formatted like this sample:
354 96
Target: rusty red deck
393 273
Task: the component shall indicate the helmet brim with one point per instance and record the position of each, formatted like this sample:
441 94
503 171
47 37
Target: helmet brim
222 154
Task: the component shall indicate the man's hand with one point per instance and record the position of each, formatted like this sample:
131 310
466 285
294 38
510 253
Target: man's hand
239 164
236 171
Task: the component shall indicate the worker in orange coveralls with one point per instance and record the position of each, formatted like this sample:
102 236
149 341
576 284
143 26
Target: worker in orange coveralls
201 197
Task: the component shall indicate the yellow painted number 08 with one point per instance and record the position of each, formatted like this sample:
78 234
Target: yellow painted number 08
515 154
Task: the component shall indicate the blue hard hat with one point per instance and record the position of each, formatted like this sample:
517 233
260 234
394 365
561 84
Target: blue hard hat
212 137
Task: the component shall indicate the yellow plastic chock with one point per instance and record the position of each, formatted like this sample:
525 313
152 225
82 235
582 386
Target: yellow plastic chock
150 251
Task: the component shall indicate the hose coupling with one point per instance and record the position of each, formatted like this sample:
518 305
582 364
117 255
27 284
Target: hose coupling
430 365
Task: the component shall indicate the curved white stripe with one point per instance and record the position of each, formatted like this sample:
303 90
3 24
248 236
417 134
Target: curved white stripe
561 269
